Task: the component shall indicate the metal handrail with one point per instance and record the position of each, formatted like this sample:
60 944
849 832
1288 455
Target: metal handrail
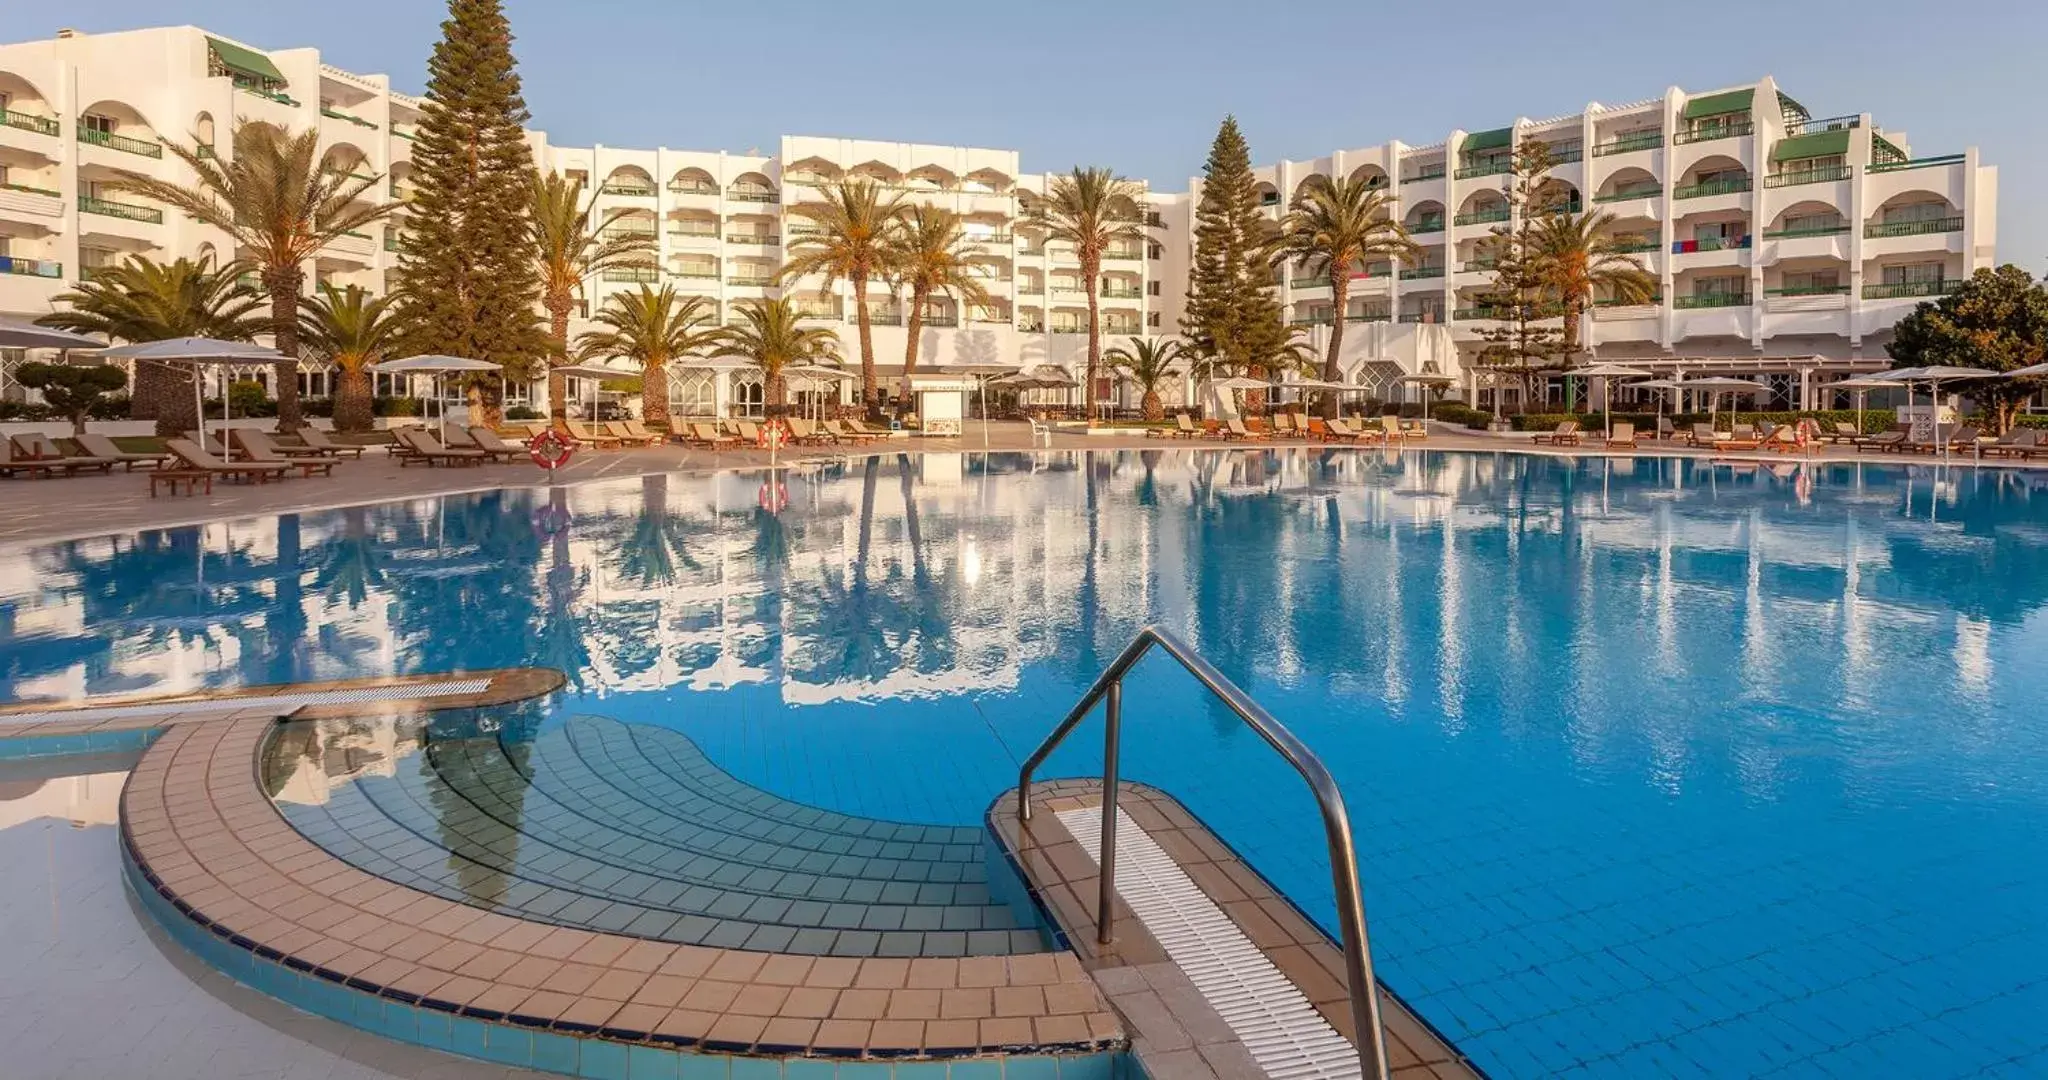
1109 687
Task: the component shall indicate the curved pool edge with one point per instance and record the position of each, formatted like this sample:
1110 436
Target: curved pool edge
211 860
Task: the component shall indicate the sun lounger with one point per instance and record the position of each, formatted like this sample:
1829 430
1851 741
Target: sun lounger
843 430
1565 434
190 479
316 439
1390 427
488 441
215 442
806 432
1415 430
258 449
256 446
2019 442
588 436
15 459
706 435
194 457
1665 431
1892 440
1238 431
1184 427
1783 439
1737 441
1841 431
1283 425
748 433
626 436
416 445
105 449
1702 435
860 427
1342 429
1624 434
39 448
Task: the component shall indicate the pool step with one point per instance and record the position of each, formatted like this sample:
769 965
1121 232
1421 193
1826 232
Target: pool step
631 829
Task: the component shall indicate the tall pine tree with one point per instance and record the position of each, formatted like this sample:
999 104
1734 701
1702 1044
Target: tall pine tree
1233 321
466 259
1528 341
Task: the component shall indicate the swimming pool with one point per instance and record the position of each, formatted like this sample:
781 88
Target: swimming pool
1657 767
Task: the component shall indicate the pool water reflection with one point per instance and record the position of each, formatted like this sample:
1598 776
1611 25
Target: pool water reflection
1658 767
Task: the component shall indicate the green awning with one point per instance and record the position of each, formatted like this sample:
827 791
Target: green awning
1819 144
249 62
1487 140
1733 101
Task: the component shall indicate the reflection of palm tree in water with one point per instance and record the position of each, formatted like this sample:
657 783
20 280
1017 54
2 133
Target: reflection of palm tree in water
351 564
460 748
935 650
277 653
657 544
561 640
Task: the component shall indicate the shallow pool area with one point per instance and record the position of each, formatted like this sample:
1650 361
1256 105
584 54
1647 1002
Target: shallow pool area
1658 767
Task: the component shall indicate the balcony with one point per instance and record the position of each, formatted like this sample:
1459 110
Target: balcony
1565 155
1633 247
1643 140
1710 132
1713 187
41 125
1065 329
1495 167
1032 326
1321 319
337 114
1309 283
696 273
1807 176
752 239
616 232
678 188
1809 290
1427 225
1910 228
1918 163
1417 273
753 195
42 268
29 190
1123 254
1031 288
1479 266
90 205
1372 315
1474 314
710 233
1427 315
989 238
1711 300
943 322
879 318
645 275
1127 294
1426 172
1894 290
814 308
1709 243
126 145
638 191
751 281
1798 231
1629 195
1481 217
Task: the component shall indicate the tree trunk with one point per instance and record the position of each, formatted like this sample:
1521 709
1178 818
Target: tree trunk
558 383
914 325
776 393
1333 371
283 283
164 394
870 392
1155 408
654 391
1572 311
1091 268
352 401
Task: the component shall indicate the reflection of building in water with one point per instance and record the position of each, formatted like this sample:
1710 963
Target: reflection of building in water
92 799
314 757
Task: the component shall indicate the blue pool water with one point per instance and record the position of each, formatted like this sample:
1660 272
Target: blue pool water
1657 767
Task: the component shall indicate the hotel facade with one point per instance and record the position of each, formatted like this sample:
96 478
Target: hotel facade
1785 246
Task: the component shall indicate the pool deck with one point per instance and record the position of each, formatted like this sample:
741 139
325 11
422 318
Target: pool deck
95 505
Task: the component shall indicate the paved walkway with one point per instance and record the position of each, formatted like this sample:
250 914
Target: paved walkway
42 510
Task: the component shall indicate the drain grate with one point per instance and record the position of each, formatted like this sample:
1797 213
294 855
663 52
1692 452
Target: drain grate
1265 1010
406 692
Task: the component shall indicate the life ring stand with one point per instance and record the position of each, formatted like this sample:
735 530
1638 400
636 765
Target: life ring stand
550 450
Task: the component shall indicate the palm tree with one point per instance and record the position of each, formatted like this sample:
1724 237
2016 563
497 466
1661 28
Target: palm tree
281 205
1091 209
1578 254
352 330
570 252
144 300
1333 227
775 339
931 253
652 327
849 239
1149 363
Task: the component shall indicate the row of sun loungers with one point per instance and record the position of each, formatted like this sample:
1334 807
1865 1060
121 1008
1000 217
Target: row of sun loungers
1289 426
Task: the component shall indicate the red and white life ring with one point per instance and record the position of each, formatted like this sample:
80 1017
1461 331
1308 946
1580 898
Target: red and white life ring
768 436
773 496
550 450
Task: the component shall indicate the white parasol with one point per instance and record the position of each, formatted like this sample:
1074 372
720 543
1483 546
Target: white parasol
437 366
1609 371
197 351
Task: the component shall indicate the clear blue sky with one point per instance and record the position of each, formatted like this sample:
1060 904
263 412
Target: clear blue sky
1140 84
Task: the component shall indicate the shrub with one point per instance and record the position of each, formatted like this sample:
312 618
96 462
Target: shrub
395 406
1465 415
524 412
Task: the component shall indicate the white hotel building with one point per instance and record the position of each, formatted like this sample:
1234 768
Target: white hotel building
1785 246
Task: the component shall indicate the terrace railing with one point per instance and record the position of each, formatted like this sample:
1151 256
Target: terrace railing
1109 690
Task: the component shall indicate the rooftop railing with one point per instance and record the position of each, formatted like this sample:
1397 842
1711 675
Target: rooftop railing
1642 140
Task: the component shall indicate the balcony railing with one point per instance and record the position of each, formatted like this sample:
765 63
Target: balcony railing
1713 187
1323 319
1711 300
1642 140
1911 228
1494 167
278 96
704 273
1427 172
758 195
752 239
1710 132
1474 266
989 238
42 268
1893 290
1473 313
1633 247
89 205
1427 225
645 191
753 281
692 189
1809 290
1376 315
1626 196
1030 288
1797 231
1481 217
337 114
1125 294
1709 243
41 125
1427 315
1122 253
1807 176
1565 155
1919 163
878 318
32 190
695 234
815 309
617 233
942 321
1416 273
123 143
642 274
1069 329
1309 282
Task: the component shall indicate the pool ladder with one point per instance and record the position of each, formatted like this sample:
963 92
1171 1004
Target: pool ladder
1109 689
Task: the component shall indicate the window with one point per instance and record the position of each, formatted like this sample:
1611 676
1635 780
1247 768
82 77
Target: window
95 122
314 384
1154 251
1716 176
1913 273
1152 288
1152 319
1814 164
1923 211
1723 285
1813 281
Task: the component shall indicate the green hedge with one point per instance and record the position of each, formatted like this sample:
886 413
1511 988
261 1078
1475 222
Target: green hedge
1874 420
